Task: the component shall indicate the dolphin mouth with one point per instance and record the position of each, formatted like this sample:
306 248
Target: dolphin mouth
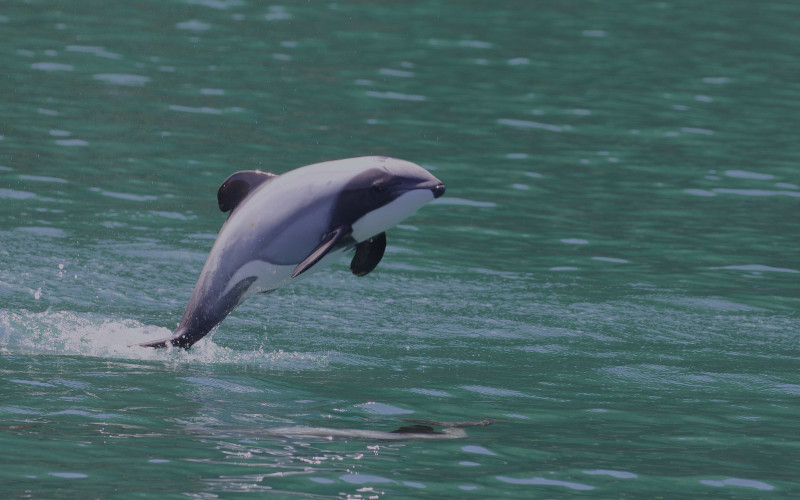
435 186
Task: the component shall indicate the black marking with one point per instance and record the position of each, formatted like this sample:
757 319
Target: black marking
364 193
238 186
416 429
328 243
368 254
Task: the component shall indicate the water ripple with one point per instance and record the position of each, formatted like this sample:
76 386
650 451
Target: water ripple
756 192
193 25
384 409
396 72
123 79
72 142
480 450
395 96
613 473
41 178
202 110
541 481
744 483
744 174
97 51
12 194
758 268
129 196
529 124
51 66
493 391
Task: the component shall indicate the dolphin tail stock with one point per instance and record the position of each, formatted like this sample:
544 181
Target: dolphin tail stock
194 326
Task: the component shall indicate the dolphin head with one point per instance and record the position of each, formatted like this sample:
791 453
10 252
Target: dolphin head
383 194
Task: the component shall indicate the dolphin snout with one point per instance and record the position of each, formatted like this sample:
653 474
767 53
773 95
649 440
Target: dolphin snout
438 190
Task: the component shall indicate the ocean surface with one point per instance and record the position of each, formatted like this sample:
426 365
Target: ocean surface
611 283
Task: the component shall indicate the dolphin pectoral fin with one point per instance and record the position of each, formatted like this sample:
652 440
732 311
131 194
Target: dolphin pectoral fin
368 254
238 186
330 241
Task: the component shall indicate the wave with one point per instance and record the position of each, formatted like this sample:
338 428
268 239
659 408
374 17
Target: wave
88 334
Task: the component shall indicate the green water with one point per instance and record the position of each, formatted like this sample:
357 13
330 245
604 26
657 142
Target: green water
611 278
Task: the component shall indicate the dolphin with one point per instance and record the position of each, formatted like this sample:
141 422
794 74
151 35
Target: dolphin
281 226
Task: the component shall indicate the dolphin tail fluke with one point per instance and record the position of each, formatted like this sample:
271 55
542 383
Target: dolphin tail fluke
156 344
181 338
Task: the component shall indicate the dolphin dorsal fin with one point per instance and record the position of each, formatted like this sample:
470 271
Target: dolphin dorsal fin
238 186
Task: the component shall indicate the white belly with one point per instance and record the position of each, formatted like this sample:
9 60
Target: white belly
271 276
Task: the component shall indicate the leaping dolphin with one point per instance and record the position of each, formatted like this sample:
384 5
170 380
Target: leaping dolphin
280 226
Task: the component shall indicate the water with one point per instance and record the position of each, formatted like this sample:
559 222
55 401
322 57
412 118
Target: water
612 277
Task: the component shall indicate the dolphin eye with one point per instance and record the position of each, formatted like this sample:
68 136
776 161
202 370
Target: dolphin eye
378 188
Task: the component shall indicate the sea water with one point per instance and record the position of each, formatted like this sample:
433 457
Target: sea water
611 280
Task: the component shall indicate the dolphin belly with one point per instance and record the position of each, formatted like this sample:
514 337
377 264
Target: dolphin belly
265 276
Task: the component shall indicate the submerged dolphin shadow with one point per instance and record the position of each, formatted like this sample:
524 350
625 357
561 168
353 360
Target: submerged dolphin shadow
421 430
